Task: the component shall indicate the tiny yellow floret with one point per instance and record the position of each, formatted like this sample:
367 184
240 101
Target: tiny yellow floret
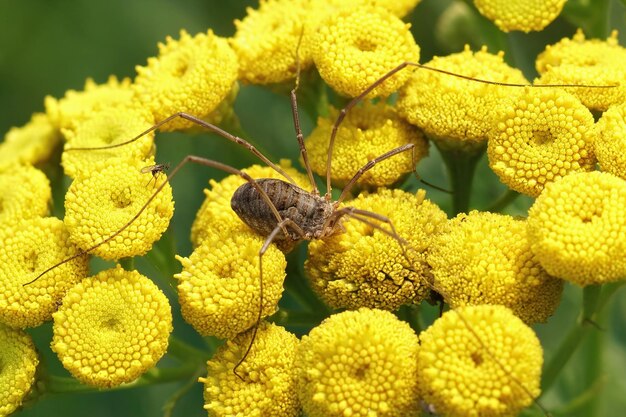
98 206
366 267
28 248
485 258
24 193
359 363
523 15
32 143
540 136
577 228
366 133
192 75
18 362
219 286
356 46
479 361
611 141
269 377
112 327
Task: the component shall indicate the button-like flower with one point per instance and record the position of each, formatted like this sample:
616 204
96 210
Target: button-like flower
24 193
359 363
356 46
579 61
455 110
366 133
32 143
98 206
269 378
577 228
192 75
218 288
540 136
266 41
611 140
107 127
216 213
479 361
18 362
485 258
27 248
365 267
112 327
524 15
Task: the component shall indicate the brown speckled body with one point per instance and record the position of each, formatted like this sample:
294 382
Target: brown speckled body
308 211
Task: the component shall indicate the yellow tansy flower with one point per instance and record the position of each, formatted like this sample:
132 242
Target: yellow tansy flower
77 106
540 135
365 267
577 228
96 207
524 15
485 258
579 61
215 212
366 133
359 363
192 75
112 327
266 41
27 248
24 193
460 375
32 143
356 46
452 109
18 362
269 381
611 140
107 127
218 288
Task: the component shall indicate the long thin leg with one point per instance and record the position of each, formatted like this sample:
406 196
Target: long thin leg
360 97
270 238
189 158
206 125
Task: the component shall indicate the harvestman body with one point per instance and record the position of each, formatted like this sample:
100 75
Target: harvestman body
278 210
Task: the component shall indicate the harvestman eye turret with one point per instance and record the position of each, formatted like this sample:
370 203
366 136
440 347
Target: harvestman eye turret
281 211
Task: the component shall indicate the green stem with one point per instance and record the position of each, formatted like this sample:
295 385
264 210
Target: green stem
595 298
185 352
127 263
503 201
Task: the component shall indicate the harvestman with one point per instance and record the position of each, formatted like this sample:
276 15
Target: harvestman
281 211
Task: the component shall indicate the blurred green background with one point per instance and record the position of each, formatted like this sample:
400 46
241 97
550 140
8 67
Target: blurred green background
48 47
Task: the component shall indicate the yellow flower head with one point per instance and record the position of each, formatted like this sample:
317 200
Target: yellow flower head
111 328
32 143
266 41
27 248
215 212
269 385
24 193
611 140
77 106
485 258
97 206
577 228
366 133
453 109
359 363
540 135
365 267
355 47
18 362
192 75
400 8
218 288
463 376
107 127
586 61
524 15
